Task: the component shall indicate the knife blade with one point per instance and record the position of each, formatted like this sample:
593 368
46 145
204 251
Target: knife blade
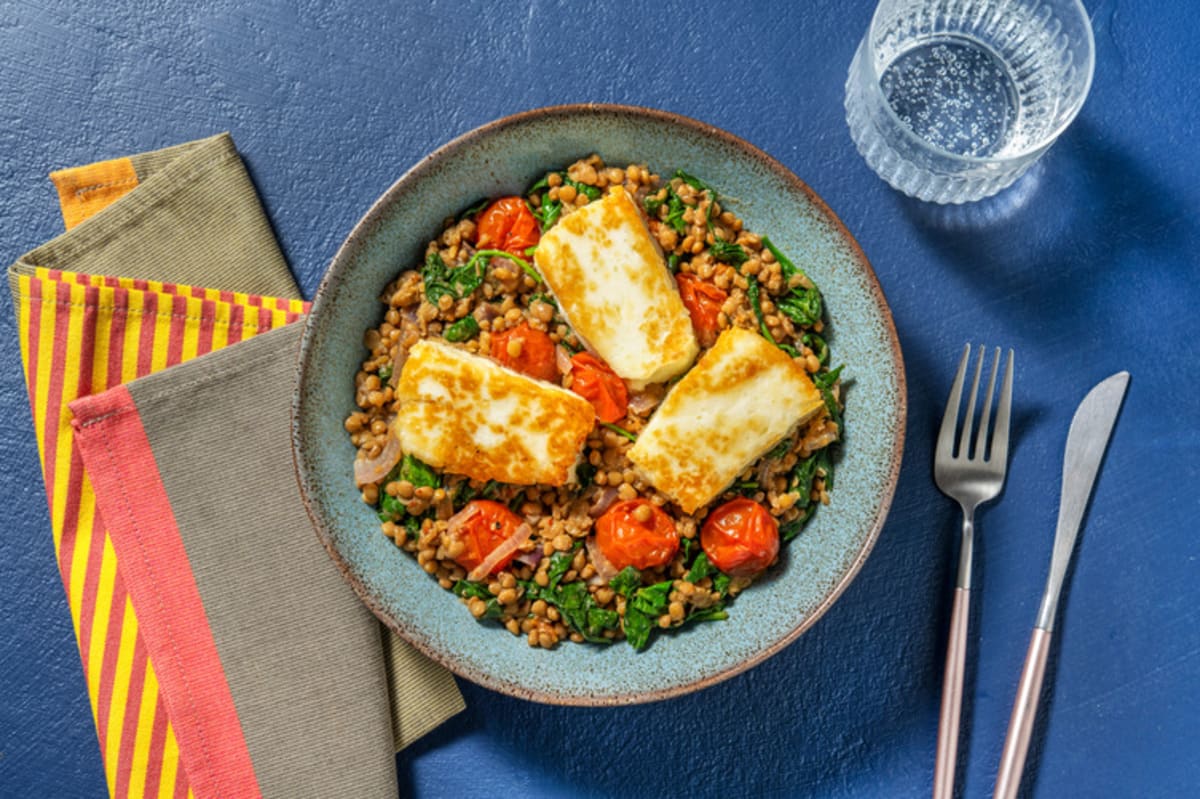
1090 431
1087 440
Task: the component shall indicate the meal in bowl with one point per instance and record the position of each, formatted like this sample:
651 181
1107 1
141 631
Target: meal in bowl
597 409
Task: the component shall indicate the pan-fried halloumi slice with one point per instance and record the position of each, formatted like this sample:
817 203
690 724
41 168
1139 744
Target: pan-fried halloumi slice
614 288
740 400
469 415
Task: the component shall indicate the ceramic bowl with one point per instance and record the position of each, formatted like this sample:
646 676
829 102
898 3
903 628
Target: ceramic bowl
505 157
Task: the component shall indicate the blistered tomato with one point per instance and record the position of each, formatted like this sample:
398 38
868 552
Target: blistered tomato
703 302
637 533
741 538
489 526
526 350
507 224
596 382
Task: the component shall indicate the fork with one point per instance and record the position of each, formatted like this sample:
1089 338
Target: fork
972 476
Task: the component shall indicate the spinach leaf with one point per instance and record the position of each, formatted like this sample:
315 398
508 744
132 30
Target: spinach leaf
417 473
592 192
474 209
781 449
652 599
467 589
802 306
576 607
699 185
544 183
637 628
817 344
673 263
790 530
462 330
825 467
824 381
700 569
560 564
642 611
412 527
721 583
390 508
385 373
477 259
801 480
714 613
585 473
675 209
728 252
785 264
626 582
686 546
548 213
621 431
441 280
754 294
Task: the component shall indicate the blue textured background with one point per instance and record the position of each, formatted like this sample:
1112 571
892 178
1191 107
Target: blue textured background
1088 266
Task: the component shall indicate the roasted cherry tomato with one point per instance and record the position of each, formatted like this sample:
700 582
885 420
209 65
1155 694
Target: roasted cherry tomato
529 351
741 538
637 533
488 528
596 382
703 302
507 224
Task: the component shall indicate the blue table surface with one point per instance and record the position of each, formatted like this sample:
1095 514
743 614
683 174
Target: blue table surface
1087 267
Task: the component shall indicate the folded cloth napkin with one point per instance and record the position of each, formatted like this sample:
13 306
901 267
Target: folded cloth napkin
224 655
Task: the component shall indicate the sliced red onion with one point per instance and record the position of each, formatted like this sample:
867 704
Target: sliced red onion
562 359
369 471
398 364
604 567
455 523
641 402
604 501
485 312
500 553
530 559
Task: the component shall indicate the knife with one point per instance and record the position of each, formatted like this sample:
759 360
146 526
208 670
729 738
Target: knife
1090 430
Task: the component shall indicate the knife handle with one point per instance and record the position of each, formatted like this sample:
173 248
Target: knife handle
1020 726
952 693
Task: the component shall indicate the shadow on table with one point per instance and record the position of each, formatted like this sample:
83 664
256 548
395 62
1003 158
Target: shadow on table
1078 211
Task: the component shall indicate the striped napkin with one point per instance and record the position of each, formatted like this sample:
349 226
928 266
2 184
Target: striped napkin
223 654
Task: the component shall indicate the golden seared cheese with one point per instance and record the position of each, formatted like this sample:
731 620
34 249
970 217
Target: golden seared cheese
467 414
613 287
740 400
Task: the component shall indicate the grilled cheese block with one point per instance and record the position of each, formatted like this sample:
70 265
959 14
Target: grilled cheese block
613 287
742 398
467 414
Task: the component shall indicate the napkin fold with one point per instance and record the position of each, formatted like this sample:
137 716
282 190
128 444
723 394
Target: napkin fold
223 653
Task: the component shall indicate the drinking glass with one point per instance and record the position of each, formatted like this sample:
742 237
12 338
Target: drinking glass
952 100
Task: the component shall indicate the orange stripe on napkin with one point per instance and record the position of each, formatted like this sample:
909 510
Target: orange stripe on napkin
81 335
85 190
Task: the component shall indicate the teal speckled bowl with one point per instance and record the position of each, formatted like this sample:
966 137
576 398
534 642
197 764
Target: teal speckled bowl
505 157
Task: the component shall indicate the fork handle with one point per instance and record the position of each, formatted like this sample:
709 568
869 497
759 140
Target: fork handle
952 693
1020 726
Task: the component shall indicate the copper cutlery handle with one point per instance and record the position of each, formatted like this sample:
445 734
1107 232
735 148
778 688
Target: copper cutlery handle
952 693
1020 726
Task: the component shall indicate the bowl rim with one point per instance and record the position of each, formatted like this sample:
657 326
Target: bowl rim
354 242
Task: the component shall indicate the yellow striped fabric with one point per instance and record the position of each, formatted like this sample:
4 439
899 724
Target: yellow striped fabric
82 334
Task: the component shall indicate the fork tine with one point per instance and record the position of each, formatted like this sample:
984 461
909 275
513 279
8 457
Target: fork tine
965 440
985 410
945 440
999 452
